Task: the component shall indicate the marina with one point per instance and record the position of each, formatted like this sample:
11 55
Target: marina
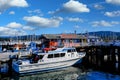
60 40
31 58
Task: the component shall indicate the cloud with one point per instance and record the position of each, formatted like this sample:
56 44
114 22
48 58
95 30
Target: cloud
54 12
12 29
5 4
35 12
18 3
72 6
77 27
75 6
12 12
103 23
74 19
14 25
116 2
43 22
112 14
6 31
98 6
28 28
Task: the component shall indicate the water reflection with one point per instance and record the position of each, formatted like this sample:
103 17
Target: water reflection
71 73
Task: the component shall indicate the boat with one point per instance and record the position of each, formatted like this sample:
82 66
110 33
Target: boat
57 59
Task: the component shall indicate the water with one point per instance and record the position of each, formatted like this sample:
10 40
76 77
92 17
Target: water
70 73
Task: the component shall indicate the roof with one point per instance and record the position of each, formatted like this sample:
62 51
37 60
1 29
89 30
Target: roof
68 36
51 36
81 37
63 36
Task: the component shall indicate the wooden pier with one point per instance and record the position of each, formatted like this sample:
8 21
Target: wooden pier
104 58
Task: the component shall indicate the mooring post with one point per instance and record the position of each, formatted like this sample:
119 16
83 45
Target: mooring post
87 62
113 59
119 59
10 65
0 66
116 56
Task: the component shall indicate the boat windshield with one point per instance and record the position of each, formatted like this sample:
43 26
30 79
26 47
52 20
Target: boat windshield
69 50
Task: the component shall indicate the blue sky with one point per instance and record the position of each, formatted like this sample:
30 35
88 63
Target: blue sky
21 17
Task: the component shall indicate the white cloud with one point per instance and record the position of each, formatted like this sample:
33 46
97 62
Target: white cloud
18 3
98 6
112 14
28 28
43 22
35 12
74 19
11 12
14 25
72 6
5 4
6 31
53 12
13 28
75 6
77 27
115 22
103 23
116 2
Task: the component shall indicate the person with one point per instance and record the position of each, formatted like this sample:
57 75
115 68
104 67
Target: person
36 59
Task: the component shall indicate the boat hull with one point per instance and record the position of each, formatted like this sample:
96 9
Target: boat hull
35 67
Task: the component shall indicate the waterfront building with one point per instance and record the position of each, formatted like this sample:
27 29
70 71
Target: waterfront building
60 40
94 40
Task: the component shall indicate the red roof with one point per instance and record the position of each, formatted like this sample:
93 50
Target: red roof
68 36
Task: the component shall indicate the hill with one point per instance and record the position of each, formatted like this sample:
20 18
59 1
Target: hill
106 35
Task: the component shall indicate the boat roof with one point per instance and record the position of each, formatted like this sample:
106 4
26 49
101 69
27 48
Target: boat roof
58 50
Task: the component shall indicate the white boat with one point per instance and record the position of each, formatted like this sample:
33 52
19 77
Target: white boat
57 59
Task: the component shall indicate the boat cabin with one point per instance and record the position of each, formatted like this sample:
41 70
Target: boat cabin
52 54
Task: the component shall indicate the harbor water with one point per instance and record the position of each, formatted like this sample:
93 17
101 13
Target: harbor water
70 73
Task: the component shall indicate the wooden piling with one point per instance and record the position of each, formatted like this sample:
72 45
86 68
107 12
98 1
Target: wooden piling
119 60
103 58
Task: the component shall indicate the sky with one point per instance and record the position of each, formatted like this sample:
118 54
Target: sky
26 17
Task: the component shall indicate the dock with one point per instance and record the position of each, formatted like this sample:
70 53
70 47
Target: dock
103 58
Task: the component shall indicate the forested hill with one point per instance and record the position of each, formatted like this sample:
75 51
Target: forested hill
106 35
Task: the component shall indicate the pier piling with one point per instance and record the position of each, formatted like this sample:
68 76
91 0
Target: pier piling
105 58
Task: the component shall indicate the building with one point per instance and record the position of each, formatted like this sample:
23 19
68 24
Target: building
93 40
60 40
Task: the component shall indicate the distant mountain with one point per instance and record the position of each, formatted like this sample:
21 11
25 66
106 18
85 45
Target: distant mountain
25 37
106 35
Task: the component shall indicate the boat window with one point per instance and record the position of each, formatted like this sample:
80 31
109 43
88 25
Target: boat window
64 50
73 50
40 56
69 50
50 56
72 54
19 62
62 54
56 55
